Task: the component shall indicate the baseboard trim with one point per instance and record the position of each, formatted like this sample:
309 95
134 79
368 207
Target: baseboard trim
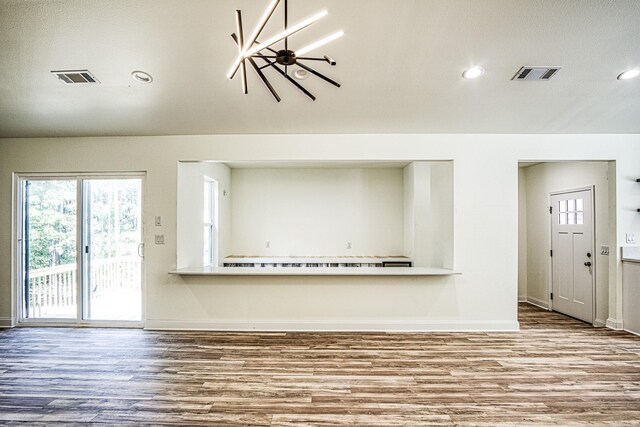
599 323
538 302
614 324
6 322
632 332
328 326
522 299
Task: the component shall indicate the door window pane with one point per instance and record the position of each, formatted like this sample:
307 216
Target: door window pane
113 266
562 218
571 218
571 205
579 205
580 218
49 249
562 206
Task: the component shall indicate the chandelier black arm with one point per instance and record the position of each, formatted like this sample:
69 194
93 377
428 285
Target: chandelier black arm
331 62
264 79
315 73
260 73
295 83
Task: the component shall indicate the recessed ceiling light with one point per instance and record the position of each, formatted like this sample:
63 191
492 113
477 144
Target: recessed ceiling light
142 77
473 72
629 74
300 74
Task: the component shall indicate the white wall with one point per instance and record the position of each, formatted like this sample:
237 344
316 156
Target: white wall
441 228
428 213
485 200
190 196
421 214
317 211
541 180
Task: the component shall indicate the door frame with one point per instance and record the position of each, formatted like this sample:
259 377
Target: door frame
17 261
592 189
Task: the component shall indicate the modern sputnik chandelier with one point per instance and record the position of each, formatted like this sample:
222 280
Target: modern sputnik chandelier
251 48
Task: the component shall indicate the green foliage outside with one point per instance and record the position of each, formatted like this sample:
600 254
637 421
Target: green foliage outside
52 223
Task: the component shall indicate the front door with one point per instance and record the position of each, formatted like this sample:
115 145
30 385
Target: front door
573 260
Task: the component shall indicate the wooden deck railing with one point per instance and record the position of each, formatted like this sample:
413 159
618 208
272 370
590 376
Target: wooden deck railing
54 289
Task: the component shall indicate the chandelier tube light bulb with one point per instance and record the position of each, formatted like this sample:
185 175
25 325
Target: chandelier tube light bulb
319 43
473 72
629 74
243 67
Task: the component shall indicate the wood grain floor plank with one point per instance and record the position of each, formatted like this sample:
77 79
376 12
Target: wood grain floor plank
555 372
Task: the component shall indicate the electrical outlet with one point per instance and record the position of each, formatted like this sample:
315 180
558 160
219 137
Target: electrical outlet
158 221
159 239
631 237
604 250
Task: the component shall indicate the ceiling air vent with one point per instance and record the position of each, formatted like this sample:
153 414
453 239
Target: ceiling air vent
71 77
536 73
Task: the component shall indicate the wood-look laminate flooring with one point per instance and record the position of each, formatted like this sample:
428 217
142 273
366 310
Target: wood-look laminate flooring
556 371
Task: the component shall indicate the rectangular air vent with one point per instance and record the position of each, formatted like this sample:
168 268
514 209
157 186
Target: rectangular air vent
536 73
71 77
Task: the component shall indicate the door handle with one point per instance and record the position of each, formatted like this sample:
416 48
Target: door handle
587 264
141 250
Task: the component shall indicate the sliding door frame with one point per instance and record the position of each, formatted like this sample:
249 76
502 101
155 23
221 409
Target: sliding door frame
18 261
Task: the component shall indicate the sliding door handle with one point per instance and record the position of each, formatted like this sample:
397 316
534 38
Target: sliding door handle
141 250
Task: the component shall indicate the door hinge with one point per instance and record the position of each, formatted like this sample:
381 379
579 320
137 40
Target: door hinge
551 252
551 296
550 209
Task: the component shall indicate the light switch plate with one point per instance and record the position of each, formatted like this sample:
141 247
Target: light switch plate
631 237
158 221
159 239
604 250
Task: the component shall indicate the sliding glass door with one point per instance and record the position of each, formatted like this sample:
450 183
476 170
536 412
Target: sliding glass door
81 249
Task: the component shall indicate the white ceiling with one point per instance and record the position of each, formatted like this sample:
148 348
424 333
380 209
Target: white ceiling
400 65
